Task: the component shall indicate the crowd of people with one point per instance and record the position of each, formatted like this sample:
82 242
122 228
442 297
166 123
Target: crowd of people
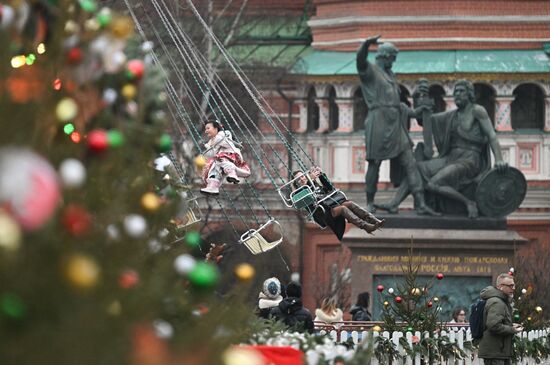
284 303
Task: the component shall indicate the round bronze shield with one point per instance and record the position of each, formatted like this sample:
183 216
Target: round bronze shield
500 193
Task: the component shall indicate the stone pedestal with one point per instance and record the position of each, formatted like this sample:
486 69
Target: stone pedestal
469 253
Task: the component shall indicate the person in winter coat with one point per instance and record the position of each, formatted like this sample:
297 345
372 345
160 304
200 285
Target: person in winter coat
269 297
335 211
328 312
495 347
360 312
291 312
224 159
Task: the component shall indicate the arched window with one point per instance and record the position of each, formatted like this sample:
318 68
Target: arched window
360 110
437 93
528 107
312 111
485 96
332 110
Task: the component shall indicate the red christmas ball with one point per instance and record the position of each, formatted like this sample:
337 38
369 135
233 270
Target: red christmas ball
380 288
74 56
439 276
76 220
135 69
429 304
511 273
98 140
128 279
398 299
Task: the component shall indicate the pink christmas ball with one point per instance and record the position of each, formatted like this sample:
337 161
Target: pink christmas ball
29 188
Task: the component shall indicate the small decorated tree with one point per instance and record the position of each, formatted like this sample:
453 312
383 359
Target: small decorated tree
410 306
527 310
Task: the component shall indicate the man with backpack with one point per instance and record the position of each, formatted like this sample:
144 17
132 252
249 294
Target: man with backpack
495 346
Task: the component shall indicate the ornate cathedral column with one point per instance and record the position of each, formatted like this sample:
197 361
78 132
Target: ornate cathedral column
503 113
302 107
547 115
345 115
323 115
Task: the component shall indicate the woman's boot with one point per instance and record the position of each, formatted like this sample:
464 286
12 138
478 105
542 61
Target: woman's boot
365 215
356 221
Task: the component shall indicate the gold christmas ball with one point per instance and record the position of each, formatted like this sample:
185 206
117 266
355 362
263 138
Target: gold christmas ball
386 303
71 26
92 25
436 299
82 271
66 110
10 233
242 356
377 328
416 291
122 27
129 92
114 308
538 309
245 272
150 202
200 161
529 318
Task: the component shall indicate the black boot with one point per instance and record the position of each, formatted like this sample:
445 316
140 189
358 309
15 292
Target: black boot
388 207
356 221
370 202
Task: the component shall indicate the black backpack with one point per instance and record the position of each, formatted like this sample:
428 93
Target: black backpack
477 325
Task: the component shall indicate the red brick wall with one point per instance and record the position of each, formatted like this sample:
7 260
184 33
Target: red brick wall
452 29
328 9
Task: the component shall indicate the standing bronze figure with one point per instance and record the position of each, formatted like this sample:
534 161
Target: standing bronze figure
386 135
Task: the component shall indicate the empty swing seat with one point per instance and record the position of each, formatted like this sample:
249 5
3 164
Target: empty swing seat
256 243
191 217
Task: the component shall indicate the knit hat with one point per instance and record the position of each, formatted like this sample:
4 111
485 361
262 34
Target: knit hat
294 290
272 288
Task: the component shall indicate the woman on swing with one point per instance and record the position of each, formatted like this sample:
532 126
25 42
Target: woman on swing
334 212
224 159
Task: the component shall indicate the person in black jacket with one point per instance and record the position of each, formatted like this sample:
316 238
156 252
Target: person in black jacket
359 311
291 312
334 211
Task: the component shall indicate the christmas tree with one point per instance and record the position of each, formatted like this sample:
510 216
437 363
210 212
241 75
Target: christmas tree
91 269
527 311
410 306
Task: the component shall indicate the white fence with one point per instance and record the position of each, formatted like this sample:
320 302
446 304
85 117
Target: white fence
458 336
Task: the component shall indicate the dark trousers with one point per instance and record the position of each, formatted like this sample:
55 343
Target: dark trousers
497 361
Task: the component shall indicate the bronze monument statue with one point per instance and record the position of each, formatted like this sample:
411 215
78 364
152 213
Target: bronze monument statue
461 172
386 134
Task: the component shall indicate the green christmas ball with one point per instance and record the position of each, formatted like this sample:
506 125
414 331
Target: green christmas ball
104 17
88 5
115 138
12 306
204 275
164 143
410 329
516 317
193 239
